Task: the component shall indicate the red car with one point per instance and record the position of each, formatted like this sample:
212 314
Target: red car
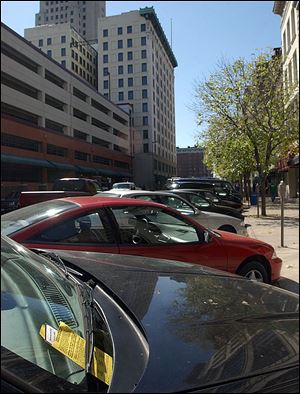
136 227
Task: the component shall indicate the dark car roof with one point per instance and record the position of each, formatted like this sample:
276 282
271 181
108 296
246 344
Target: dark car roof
203 327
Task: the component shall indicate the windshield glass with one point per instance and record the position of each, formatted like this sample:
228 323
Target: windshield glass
34 292
24 217
43 318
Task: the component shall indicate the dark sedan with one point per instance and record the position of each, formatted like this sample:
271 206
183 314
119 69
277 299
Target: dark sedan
134 324
209 193
205 204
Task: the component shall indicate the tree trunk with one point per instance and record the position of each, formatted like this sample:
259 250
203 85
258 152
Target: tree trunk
262 190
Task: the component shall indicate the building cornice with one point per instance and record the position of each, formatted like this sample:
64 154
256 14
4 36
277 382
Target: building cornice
149 13
278 7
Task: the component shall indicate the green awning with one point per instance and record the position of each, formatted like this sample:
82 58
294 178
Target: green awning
64 166
26 160
87 169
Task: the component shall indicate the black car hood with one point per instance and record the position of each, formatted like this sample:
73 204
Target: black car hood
203 326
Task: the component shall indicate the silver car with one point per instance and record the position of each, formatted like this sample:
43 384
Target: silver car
206 219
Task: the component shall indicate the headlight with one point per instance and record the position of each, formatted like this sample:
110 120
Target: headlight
274 255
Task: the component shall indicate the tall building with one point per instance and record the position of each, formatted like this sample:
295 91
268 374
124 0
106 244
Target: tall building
190 162
65 45
289 27
54 124
82 15
136 66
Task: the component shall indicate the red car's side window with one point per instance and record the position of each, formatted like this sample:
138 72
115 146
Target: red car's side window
152 226
87 229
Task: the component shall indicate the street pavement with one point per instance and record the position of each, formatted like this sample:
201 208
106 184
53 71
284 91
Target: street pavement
268 229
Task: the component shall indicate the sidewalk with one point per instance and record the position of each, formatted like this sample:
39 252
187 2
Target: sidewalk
268 229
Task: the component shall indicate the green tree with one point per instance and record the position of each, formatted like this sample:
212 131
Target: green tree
249 102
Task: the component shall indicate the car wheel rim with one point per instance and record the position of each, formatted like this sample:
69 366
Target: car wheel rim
255 275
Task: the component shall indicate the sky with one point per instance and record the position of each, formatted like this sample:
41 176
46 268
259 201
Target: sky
202 33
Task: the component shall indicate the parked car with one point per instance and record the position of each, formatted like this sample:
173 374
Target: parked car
221 186
226 196
154 325
205 204
10 202
64 187
124 185
209 193
207 219
136 227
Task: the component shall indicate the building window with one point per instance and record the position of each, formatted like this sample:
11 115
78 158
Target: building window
130 94
120 56
105 71
143 40
143 27
144 93
63 39
144 80
295 67
130 81
49 41
146 148
144 54
105 46
129 56
105 58
105 84
40 43
121 96
63 63
145 120
129 29
120 70
49 53
129 42
144 67
105 33
145 107
120 44
120 30
130 68
121 83
145 134
63 51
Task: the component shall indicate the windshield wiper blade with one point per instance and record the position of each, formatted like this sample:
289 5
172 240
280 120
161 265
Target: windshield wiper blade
60 263
56 260
86 290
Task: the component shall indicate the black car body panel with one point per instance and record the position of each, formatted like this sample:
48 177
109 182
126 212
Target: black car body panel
204 328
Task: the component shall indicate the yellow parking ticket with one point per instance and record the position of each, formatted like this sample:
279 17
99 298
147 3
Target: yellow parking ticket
67 342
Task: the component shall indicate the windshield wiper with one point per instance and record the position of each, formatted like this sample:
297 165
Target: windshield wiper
86 292
60 264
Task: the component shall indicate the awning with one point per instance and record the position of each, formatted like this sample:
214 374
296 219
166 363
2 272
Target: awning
86 169
64 166
26 160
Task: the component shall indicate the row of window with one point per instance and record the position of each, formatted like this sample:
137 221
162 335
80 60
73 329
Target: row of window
121 57
128 30
289 33
120 43
129 83
14 141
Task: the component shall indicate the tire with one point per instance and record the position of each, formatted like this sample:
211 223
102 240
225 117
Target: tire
254 270
227 228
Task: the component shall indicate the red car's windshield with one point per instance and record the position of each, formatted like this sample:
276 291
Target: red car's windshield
24 217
